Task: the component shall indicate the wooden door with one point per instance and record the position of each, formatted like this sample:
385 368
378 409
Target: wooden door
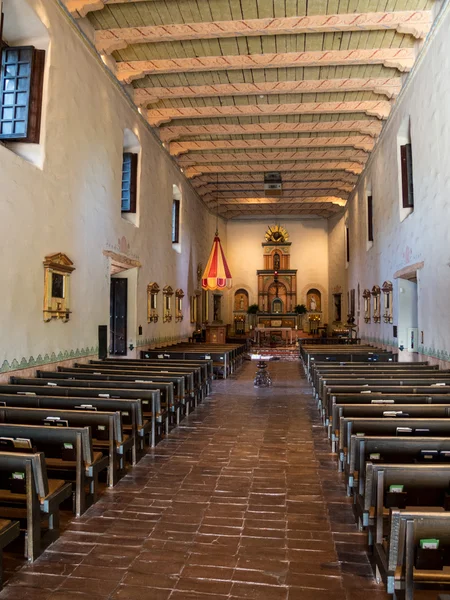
118 314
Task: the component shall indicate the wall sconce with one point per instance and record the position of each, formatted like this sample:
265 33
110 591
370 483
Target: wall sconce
152 302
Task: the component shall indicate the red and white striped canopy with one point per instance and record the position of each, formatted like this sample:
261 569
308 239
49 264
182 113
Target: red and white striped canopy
217 275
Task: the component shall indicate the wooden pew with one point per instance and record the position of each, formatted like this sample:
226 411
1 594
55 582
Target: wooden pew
395 558
127 407
392 449
319 368
206 365
84 464
194 373
106 427
410 377
386 401
223 363
129 402
169 401
387 427
205 368
417 410
9 531
317 375
40 501
381 389
425 485
183 385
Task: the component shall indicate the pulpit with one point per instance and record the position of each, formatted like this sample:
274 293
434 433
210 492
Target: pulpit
216 334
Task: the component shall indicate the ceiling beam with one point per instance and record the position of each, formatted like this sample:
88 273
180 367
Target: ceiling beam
288 178
256 189
236 197
397 58
387 86
80 8
346 166
229 157
416 23
366 127
323 209
360 142
379 109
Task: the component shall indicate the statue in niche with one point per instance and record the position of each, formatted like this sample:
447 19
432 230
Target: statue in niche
313 300
241 300
276 261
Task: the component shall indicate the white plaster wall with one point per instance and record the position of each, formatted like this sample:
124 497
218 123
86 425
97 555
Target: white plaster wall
336 264
72 205
309 255
424 235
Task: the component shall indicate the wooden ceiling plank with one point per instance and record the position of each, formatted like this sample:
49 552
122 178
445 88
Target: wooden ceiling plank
414 23
379 109
401 59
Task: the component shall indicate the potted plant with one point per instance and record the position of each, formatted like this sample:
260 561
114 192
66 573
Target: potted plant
252 310
300 310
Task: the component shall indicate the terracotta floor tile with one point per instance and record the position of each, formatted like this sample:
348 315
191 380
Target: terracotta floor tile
243 501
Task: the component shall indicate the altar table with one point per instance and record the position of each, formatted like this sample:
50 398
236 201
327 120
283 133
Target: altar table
284 332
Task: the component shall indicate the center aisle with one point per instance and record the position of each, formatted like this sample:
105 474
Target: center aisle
243 500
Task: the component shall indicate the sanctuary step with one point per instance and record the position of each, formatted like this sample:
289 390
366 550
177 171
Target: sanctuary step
284 354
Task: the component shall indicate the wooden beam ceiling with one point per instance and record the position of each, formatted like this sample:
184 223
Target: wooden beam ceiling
228 157
257 87
415 23
364 126
288 177
236 197
346 166
401 59
257 189
379 109
360 142
389 87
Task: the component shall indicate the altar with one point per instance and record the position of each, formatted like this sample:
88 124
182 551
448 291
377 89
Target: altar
286 333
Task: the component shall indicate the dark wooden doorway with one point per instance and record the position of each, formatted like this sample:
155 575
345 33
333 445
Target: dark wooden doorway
118 316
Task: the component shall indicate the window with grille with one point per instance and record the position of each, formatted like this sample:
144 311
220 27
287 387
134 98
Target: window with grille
176 222
21 85
129 182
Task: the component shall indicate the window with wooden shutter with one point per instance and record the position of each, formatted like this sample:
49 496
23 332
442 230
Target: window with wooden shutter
369 218
175 221
407 176
129 182
21 85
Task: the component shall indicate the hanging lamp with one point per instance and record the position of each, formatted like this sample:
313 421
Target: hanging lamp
217 275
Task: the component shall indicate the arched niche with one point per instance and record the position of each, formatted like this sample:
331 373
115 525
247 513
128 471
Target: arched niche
277 297
314 300
241 301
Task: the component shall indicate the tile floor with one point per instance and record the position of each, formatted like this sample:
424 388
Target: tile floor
243 501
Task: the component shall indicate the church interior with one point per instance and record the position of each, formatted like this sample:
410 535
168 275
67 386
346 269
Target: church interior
225 330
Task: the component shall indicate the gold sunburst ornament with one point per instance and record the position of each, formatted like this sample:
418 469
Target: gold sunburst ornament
276 234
